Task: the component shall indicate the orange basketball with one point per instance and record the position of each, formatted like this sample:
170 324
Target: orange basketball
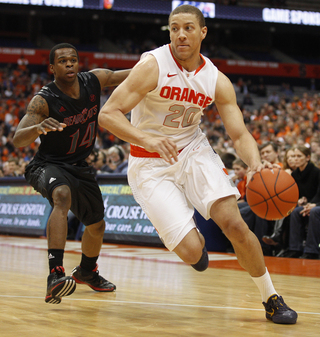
272 194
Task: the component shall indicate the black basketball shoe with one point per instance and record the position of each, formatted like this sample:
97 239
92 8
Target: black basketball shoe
92 279
278 312
59 285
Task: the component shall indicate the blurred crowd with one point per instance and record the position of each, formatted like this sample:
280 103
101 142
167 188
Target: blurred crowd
284 118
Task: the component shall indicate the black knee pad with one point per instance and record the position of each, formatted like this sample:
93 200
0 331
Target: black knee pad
203 263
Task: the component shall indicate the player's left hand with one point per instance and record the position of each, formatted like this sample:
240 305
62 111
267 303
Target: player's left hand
257 168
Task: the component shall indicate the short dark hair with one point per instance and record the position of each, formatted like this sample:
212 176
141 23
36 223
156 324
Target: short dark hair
60 46
227 159
191 10
274 146
240 162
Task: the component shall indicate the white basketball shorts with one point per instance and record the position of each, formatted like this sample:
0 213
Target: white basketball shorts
168 193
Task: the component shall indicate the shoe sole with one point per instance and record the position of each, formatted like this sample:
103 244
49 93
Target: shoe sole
94 288
283 320
64 288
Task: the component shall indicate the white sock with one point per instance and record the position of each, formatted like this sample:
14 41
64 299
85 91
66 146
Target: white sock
265 286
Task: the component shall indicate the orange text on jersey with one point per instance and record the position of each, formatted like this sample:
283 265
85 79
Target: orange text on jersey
185 95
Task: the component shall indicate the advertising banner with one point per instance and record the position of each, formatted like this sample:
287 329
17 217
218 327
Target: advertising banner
125 220
23 211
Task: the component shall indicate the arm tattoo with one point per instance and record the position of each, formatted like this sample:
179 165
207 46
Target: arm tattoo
37 111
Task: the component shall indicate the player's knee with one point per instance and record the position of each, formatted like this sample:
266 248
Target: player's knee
97 230
236 230
61 197
203 263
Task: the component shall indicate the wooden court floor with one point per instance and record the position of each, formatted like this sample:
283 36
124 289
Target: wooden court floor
156 295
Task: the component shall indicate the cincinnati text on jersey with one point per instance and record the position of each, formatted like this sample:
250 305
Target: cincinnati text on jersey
81 118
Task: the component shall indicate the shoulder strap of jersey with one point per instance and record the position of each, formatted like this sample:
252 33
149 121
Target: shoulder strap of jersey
49 90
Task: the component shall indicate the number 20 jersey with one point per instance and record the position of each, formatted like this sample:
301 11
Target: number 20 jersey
174 108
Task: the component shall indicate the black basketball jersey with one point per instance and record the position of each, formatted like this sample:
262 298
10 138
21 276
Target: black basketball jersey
77 139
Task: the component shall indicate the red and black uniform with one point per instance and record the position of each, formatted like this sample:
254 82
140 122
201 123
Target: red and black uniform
60 159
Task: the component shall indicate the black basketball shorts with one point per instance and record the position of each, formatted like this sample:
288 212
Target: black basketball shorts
86 198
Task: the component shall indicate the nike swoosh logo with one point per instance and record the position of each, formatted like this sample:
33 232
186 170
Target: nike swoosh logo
171 75
51 180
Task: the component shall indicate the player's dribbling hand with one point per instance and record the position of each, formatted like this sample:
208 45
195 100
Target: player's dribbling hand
50 124
257 168
166 148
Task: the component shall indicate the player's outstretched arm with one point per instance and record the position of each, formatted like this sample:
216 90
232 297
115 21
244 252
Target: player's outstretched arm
142 79
35 122
110 78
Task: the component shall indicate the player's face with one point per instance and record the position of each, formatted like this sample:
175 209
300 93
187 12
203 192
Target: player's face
268 153
186 36
66 65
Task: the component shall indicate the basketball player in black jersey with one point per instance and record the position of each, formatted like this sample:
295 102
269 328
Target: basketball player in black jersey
64 114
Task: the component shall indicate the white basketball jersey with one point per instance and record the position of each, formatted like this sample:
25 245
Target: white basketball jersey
174 108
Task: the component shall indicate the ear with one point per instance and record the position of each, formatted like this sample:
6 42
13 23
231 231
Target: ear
204 31
51 68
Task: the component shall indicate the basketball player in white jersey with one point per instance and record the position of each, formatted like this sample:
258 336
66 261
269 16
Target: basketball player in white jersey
172 167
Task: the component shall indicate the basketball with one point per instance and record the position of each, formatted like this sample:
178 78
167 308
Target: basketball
272 194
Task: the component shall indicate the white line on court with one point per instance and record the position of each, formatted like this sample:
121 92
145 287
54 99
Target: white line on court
157 304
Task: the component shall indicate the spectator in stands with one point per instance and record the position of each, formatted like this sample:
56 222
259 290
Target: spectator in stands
269 152
116 160
289 163
247 99
240 177
22 63
101 162
10 168
304 220
241 86
287 91
7 170
22 167
228 159
274 98
92 158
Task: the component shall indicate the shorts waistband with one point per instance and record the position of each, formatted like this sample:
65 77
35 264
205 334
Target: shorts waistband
137 151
